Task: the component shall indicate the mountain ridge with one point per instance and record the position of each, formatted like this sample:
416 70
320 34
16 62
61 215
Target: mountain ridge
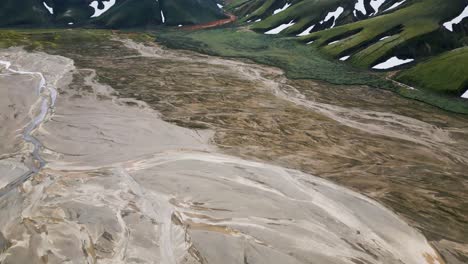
374 34
107 14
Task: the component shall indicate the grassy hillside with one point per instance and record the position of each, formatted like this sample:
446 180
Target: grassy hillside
190 11
304 13
130 14
412 30
419 36
446 73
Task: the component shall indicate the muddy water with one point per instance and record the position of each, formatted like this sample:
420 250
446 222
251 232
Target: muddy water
228 178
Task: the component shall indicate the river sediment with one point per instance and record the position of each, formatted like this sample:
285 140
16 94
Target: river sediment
174 157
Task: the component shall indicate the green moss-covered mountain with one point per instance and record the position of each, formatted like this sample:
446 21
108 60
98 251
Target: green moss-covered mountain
107 13
430 35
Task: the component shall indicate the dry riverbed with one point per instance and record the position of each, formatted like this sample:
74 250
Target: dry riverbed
160 156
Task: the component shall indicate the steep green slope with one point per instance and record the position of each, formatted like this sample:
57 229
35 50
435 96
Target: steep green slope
304 13
367 35
120 13
130 14
446 73
421 35
190 11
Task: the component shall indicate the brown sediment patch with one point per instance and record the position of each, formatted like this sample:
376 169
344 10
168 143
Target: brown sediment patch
432 259
212 228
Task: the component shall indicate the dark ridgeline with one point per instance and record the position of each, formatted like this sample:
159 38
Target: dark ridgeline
123 14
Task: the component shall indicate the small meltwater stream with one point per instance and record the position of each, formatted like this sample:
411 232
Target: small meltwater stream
47 96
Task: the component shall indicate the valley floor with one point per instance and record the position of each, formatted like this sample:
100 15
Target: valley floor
168 156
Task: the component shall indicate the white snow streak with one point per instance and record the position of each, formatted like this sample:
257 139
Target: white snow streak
465 95
392 62
280 28
307 31
359 6
97 11
449 25
335 14
376 4
281 9
163 18
395 5
50 9
344 58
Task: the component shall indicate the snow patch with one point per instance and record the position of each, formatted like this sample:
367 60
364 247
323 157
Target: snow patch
359 6
258 20
376 4
392 62
281 9
220 6
310 42
50 9
71 23
395 5
386 37
465 95
97 11
333 42
306 32
335 14
449 25
280 28
163 18
344 58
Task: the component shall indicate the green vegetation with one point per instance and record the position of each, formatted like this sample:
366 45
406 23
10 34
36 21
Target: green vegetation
408 37
413 30
449 103
447 73
9 38
304 13
49 39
